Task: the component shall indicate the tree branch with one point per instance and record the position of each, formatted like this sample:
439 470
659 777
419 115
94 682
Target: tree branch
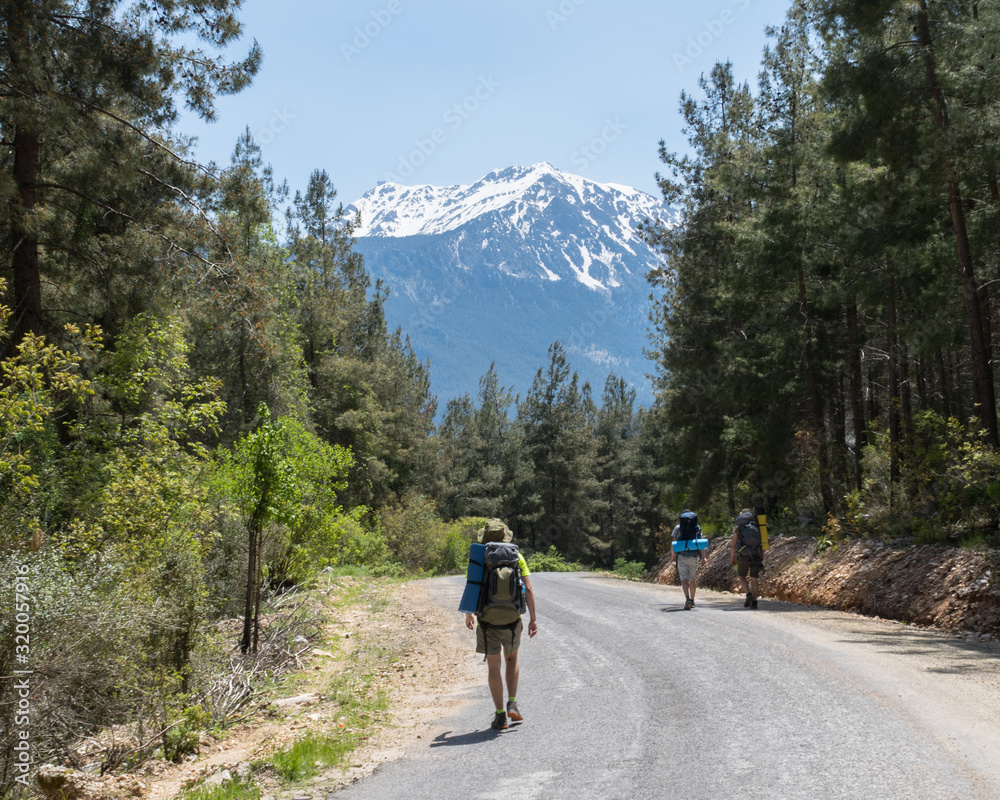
181 193
123 215
135 128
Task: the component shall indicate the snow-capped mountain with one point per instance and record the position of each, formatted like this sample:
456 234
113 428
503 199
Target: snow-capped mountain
498 270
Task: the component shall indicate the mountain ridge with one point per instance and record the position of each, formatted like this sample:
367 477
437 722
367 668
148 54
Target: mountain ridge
496 270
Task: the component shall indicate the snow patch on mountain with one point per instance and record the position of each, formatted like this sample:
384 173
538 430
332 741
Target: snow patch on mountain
391 209
497 270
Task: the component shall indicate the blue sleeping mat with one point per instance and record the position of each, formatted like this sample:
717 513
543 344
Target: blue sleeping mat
690 544
473 578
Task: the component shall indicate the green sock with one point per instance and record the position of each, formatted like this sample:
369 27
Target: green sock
512 699
501 711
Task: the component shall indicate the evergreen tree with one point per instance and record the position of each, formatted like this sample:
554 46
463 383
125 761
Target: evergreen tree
721 371
458 450
556 419
98 199
476 445
807 316
618 464
369 391
244 319
501 460
900 63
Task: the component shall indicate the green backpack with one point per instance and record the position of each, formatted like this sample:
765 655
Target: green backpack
503 586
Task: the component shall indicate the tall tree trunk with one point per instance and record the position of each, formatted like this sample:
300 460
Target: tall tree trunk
838 420
26 282
871 393
27 285
816 396
258 581
246 640
955 374
255 536
921 369
995 197
905 390
945 381
982 374
857 399
894 402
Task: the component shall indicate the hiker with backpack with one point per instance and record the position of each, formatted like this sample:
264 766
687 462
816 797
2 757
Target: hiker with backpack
506 594
747 551
688 554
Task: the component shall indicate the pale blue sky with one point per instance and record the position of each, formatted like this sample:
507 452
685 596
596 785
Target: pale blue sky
443 91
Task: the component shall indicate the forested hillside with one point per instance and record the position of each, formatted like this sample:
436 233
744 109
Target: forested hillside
198 403
202 404
827 348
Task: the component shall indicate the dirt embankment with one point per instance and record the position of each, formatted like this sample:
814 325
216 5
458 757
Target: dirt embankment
949 588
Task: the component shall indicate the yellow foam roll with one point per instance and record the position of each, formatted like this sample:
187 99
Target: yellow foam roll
762 524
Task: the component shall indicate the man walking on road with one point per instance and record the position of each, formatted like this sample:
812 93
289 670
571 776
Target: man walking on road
687 560
747 551
499 631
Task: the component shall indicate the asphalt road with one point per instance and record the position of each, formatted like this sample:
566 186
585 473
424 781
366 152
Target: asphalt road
628 697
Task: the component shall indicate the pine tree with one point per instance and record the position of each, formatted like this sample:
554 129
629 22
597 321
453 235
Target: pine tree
244 319
718 351
556 418
368 389
618 468
458 447
98 197
497 460
899 61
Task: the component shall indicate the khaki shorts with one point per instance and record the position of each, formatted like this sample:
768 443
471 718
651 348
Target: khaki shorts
490 639
687 567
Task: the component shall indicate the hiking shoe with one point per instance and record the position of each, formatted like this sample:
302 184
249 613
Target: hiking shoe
499 722
513 711
748 601
753 604
688 604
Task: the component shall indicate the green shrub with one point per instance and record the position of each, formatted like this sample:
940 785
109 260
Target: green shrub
630 570
364 546
412 530
453 553
948 483
551 561
422 542
308 755
184 737
238 789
